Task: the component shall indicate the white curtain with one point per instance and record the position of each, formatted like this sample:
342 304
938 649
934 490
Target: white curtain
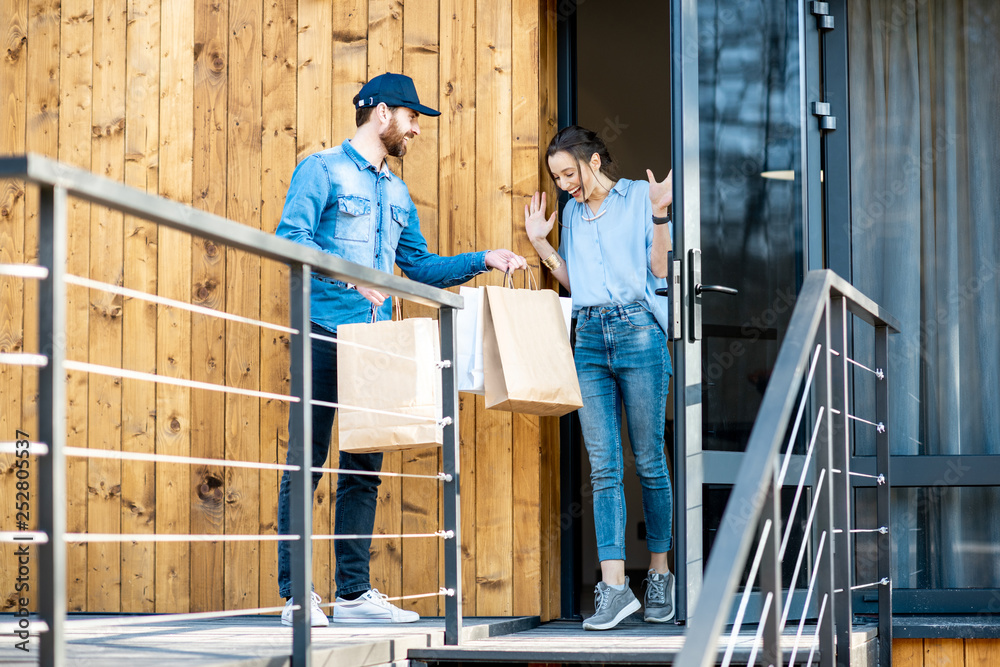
925 176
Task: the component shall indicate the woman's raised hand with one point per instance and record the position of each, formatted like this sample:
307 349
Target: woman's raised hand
660 194
535 223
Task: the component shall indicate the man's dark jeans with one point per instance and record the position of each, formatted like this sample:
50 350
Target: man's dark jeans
356 494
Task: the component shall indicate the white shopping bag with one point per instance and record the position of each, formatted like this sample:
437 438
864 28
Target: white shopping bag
469 334
566 303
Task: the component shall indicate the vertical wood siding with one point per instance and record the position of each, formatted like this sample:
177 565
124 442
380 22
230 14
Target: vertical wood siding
945 652
139 318
213 104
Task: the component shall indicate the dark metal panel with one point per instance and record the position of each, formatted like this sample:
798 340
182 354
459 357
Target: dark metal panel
983 625
452 494
724 468
686 160
105 192
981 604
770 575
840 481
809 93
823 534
837 143
884 540
300 454
52 245
926 471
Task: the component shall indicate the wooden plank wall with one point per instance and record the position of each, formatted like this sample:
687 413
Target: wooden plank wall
945 652
212 104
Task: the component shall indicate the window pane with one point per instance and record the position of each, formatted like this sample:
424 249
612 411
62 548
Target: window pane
925 194
751 204
943 537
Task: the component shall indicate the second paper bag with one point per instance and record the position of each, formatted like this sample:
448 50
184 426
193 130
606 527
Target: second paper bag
405 382
528 361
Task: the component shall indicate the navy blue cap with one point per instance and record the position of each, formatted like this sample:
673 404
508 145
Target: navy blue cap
396 90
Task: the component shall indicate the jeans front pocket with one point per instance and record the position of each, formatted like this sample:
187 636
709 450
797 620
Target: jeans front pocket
640 318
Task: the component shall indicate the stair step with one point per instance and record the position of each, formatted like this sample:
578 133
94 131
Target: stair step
632 642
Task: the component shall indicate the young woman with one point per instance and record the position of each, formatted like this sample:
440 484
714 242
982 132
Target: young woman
612 256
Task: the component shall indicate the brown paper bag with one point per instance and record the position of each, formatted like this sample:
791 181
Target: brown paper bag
406 382
528 362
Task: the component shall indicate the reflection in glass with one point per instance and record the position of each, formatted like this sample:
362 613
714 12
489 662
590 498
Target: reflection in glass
951 538
750 225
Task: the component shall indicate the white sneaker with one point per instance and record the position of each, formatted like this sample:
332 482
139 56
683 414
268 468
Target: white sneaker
372 607
318 618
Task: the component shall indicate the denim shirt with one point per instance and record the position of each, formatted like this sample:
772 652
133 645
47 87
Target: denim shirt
608 258
339 203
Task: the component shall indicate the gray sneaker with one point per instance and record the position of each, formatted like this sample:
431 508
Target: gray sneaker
612 606
659 597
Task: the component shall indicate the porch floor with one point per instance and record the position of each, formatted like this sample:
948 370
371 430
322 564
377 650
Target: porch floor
243 641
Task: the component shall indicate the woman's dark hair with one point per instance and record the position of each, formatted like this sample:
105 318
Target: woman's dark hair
582 143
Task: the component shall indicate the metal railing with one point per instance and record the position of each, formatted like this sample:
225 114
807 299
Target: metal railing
56 183
811 371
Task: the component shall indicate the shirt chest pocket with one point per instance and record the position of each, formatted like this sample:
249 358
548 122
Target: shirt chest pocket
353 218
400 221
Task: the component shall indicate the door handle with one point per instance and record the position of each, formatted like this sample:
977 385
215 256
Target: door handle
694 301
722 289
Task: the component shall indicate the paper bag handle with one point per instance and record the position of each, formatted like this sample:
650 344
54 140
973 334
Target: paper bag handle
397 310
508 279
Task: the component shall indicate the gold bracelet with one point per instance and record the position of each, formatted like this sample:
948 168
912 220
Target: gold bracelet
552 262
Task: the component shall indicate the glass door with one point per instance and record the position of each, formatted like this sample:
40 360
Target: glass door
746 170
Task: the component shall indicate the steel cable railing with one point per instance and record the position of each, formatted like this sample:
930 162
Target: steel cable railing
56 182
811 370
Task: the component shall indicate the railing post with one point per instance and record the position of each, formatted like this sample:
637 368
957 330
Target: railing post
52 244
884 499
300 454
841 482
824 511
452 497
770 573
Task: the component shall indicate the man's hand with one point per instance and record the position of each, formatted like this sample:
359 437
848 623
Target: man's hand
661 195
375 297
505 260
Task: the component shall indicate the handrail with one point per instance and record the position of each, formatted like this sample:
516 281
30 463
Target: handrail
754 488
118 196
58 181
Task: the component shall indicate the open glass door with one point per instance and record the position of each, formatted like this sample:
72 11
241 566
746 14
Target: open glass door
741 137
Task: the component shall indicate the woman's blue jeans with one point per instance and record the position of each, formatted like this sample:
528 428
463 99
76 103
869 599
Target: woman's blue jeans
621 357
356 494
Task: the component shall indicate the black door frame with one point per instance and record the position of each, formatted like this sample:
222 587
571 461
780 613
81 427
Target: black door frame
569 425
827 240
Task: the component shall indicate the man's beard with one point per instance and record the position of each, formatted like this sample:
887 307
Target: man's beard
393 140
